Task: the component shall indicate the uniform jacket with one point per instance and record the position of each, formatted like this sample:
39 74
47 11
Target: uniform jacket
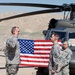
66 56
54 56
12 51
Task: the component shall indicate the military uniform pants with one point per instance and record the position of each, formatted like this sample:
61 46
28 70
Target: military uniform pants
11 69
65 71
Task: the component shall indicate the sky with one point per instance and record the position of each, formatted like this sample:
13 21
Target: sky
4 9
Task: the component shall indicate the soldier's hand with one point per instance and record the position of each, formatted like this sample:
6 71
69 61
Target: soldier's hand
53 72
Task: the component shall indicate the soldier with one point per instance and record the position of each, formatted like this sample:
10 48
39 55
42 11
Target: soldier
12 52
54 55
66 57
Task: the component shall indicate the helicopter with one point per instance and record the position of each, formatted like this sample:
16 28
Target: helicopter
50 9
54 23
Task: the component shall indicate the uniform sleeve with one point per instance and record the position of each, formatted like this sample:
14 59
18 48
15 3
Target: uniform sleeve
50 66
67 58
50 62
4 50
56 51
10 43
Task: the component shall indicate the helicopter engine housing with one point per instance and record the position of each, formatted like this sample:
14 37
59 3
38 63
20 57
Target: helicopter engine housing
61 23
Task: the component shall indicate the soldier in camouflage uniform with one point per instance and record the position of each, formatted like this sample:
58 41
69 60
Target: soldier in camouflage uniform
66 57
12 52
54 55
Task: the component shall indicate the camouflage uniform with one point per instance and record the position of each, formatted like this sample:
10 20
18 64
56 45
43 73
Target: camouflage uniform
12 52
66 57
54 58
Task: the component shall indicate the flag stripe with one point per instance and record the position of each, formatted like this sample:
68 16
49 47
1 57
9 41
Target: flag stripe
43 44
42 48
32 65
34 56
43 53
34 60
37 63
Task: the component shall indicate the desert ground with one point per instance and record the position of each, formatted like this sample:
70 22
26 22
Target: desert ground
31 27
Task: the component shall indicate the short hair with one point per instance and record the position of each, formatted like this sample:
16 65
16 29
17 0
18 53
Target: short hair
55 34
66 42
13 29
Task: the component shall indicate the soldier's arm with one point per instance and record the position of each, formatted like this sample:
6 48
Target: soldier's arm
10 43
57 51
51 70
5 52
50 62
50 66
67 59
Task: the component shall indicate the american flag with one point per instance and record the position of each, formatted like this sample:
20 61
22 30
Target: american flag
34 53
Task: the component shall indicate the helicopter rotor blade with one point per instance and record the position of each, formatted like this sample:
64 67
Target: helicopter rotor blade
31 5
32 13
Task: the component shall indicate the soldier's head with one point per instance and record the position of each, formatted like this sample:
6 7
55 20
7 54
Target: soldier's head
65 44
54 37
15 30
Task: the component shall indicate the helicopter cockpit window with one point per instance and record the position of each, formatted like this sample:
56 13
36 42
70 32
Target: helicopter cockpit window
72 35
62 35
72 38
